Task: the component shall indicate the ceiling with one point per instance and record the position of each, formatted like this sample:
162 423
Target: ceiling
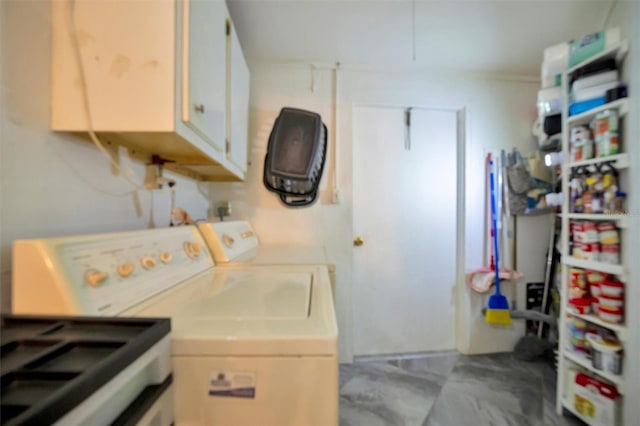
505 37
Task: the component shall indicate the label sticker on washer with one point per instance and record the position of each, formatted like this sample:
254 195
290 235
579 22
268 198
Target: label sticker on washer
239 384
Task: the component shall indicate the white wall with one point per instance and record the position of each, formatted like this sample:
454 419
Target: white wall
499 115
55 184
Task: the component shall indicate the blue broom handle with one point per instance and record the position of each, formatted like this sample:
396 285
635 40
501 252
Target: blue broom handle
495 227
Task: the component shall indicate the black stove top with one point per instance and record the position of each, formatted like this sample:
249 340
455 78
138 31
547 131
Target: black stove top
49 365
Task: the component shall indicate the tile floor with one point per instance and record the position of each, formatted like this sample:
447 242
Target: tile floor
449 390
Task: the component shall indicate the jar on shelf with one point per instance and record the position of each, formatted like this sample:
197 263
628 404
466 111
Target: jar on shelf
614 202
581 143
605 132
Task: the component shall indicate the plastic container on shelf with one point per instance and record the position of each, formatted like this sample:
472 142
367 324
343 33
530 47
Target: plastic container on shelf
582 305
605 356
590 45
596 400
552 124
578 95
595 79
555 62
558 58
577 330
579 107
613 304
610 316
568 321
578 284
594 278
611 288
619 92
550 101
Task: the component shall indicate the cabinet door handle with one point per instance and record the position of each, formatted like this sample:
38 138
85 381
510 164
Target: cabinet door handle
199 108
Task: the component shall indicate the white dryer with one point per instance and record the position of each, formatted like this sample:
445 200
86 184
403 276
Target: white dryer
250 345
235 243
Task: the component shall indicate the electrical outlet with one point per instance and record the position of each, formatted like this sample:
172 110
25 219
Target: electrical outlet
222 209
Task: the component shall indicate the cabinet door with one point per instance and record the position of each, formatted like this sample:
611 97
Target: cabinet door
238 102
204 69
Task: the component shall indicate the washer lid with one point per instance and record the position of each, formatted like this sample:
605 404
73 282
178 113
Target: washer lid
245 295
262 310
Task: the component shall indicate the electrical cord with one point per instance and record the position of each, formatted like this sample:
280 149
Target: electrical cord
85 99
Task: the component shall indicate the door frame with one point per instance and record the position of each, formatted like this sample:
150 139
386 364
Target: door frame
461 316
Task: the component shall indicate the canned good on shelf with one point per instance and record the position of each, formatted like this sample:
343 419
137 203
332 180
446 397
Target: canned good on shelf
585 232
581 143
608 233
606 133
588 251
610 253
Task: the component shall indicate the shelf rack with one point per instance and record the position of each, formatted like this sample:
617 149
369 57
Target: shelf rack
620 161
584 362
567 404
619 329
609 268
618 51
622 220
622 105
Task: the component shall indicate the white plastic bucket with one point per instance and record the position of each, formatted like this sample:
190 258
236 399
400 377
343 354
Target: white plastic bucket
605 356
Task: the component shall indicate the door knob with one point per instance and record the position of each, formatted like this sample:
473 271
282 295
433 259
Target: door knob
357 241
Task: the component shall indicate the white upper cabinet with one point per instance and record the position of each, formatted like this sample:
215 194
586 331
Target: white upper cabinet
238 101
158 80
204 52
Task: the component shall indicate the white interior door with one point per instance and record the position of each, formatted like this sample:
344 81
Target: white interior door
404 210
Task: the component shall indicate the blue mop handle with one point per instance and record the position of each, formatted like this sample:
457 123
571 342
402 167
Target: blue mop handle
495 227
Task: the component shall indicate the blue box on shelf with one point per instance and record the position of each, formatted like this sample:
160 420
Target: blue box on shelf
582 106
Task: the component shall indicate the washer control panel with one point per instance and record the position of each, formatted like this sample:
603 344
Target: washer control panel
106 274
230 241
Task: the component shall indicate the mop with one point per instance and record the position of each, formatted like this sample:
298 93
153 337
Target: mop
482 279
498 307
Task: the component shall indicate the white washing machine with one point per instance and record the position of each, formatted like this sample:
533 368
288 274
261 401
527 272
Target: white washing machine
235 243
252 345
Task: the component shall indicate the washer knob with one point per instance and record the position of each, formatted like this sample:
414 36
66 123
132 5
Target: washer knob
192 249
125 269
148 262
95 277
165 257
228 240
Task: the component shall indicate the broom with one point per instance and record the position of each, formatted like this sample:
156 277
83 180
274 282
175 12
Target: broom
481 279
498 307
